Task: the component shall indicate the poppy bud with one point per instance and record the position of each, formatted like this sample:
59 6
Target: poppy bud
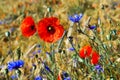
7 34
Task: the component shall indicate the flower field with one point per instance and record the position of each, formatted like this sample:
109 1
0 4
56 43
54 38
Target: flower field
59 40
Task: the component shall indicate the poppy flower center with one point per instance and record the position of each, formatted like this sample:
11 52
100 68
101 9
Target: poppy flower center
32 27
51 29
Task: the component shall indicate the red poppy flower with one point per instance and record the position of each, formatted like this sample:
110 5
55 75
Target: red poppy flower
28 27
59 77
85 51
50 30
95 57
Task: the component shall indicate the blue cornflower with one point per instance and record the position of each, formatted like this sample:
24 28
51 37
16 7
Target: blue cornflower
34 66
12 29
14 77
98 68
92 27
1 22
71 49
65 76
10 51
76 18
39 51
38 45
47 53
5 21
38 78
34 52
1 66
15 64
47 68
74 62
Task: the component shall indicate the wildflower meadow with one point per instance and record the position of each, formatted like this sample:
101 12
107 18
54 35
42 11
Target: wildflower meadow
59 39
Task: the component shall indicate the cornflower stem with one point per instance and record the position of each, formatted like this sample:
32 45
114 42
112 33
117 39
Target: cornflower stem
103 47
100 43
81 31
70 29
76 53
88 36
48 75
106 50
73 47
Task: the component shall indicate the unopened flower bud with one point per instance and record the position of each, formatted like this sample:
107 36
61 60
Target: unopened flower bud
49 9
108 37
7 34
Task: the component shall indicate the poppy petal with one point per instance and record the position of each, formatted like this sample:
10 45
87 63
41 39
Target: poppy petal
28 27
95 58
50 30
85 51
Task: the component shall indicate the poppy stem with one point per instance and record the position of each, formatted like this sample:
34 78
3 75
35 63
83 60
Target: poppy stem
52 52
53 55
102 45
75 50
61 40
